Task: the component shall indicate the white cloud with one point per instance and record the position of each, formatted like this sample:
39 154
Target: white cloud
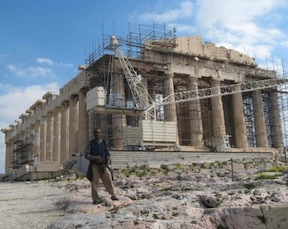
33 72
234 12
275 64
183 28
245 23
44 61
65 65
50 62
14 102
284 44
247 26
185 10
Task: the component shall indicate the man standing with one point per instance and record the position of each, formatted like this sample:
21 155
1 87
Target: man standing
98 155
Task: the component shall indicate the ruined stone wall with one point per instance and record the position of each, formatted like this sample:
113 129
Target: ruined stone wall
55 125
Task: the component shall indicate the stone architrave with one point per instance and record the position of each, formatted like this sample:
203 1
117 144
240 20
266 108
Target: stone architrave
241 140
260 126
195 117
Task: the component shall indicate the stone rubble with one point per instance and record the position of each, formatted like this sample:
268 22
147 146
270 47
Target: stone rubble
195 196
176 196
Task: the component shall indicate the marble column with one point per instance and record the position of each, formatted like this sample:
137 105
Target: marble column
36 141
43 136
13 154
169 110
31 147
8 157
195 117
64 131
241 140
218 119
170 113
276 129
260 127
152 93
146 98
49 141
56 135
73 125
118 120
82 123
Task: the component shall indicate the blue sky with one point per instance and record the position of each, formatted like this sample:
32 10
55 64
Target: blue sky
43 42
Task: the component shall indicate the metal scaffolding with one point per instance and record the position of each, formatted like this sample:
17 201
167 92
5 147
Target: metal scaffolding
101 69
283 103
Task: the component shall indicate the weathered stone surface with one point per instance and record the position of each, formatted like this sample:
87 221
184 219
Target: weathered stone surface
161 200
275 216
244 218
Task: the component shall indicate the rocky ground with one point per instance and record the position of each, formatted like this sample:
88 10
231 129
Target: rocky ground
209 195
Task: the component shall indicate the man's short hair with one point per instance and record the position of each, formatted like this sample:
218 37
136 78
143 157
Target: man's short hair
95 130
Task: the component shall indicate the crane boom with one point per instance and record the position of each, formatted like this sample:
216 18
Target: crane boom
140 94
187 96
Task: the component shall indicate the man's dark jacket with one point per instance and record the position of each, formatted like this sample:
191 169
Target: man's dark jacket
103 165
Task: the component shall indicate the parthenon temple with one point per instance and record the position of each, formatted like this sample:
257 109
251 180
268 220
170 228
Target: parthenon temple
152 91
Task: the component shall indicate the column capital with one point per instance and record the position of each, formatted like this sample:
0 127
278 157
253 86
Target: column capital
83 91
56 108
50 113
216 79
43 120
65 103
215 82
73 96
193 78
170 75
81 94
31 126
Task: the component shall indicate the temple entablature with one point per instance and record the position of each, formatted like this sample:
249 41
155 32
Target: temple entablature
49 97
193 46
47 103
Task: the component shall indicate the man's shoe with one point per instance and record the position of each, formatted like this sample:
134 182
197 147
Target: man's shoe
114 198
98 201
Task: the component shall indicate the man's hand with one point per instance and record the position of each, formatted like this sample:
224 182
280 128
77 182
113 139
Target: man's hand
97 159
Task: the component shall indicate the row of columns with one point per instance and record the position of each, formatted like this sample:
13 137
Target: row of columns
218 118
62 132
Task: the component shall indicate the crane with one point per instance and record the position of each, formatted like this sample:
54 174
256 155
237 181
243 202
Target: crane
140 94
